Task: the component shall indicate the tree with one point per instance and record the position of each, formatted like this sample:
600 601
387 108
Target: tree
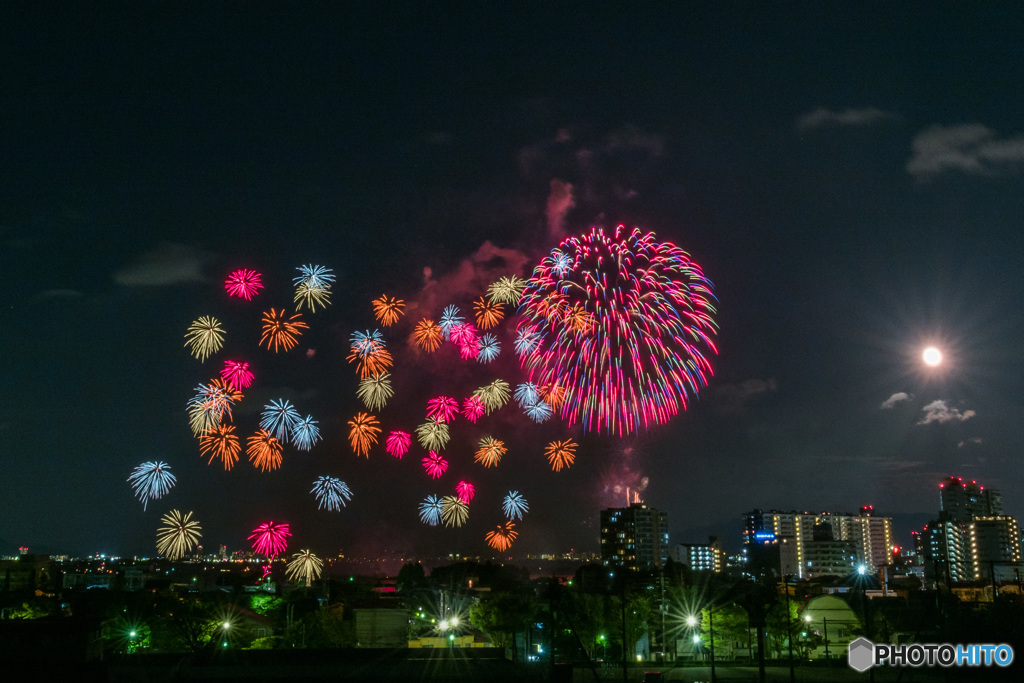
730 623
780 628
502 616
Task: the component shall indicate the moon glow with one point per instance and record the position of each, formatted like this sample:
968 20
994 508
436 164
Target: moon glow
932 356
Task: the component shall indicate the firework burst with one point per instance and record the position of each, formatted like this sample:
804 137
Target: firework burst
397 443
387 310
506 290
488 313
494 395
331 493
204 337
473 408
515 506
465 491
304 567
305 432
501 538
363 433
236 374
428 335
151 481
313 287
454 512
561 454
442 408
244 283
178 536
433 435
279 418
264 451
280 332
435 465
430 510
220 442
627 321
450 317
270 539
375 390
488 348
489 451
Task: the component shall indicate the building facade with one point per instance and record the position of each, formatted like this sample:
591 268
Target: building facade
635 537
869 537
707 557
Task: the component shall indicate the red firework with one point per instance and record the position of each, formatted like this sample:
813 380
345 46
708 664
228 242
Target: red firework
435 465
244 283
270 539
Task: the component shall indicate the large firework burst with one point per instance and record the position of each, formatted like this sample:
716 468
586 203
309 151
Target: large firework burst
151 480
623 323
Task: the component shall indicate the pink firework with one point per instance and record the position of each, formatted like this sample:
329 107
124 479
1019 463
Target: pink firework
270 539
442 408
465 491
473 408
435 465
462 334
244 283
470 349
397 443
236 374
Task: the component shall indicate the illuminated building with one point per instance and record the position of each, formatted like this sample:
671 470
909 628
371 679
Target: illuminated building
708 557
994 540
635 537
792 532
971 537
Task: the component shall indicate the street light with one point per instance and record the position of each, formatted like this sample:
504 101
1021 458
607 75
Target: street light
824 621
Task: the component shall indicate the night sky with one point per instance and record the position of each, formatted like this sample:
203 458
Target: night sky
848 177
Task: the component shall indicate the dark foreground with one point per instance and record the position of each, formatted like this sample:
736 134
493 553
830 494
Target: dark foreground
380 666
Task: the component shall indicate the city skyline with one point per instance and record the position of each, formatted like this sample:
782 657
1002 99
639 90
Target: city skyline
851 188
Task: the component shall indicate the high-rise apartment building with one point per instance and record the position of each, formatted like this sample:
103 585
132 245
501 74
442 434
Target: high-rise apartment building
707 557
869 536
971 538
964 500
635 537
994 542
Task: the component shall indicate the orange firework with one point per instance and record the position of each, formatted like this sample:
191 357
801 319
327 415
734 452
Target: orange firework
220 442
501 538
577 318
364 433
387 310
428 335
488 313
373 362
552 394
552 307
281 332
264 451
490 451
561 454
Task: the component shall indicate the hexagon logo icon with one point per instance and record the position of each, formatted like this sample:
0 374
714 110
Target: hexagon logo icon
862 654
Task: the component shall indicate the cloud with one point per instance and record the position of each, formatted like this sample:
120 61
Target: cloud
168 264
938 411
560 201
472 276
894 399
969 148
974 441
731 398
821 117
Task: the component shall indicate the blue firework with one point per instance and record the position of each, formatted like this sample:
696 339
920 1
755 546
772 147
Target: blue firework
151 480
450 317
305 432
489 348
515 505
331 493
279 418
430 510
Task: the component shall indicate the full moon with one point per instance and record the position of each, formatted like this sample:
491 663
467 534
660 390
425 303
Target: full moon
932 356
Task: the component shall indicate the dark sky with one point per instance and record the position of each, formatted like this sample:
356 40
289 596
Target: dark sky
848 177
